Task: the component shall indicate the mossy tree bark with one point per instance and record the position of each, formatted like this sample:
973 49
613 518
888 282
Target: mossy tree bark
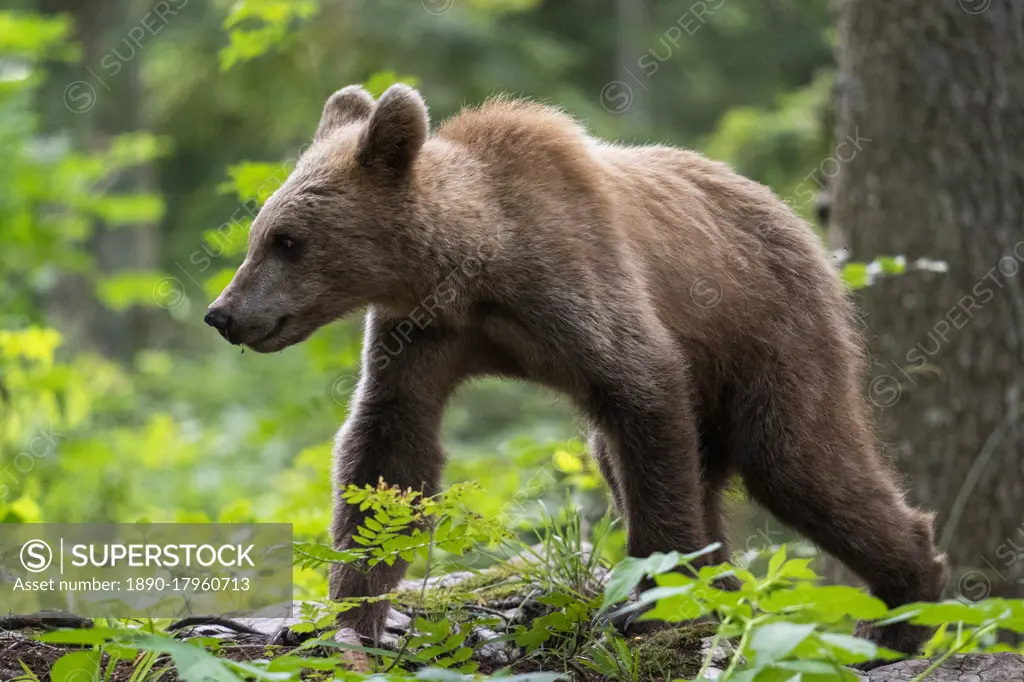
937 90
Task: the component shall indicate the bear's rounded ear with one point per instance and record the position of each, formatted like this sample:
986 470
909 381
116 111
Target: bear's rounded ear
348 105
397 129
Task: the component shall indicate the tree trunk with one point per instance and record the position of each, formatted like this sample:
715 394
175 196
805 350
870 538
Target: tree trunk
935 93
103 97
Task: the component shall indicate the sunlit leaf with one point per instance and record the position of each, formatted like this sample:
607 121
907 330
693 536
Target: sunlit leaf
77 666
774 641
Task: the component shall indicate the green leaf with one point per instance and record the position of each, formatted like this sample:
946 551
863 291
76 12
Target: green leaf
195 664
555 621
775 563
630 571
77 666
532 638
271 20
256 181
774 641
228 240
311 554
812 671
456 640
829 603
1008 613
430 652
437 630
134 149
382 80
855 275
674 604
892 266
847 649
128 209
797 569
943 612
31 35
142 288
298 664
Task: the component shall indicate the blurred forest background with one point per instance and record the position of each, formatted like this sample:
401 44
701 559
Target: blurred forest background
137 139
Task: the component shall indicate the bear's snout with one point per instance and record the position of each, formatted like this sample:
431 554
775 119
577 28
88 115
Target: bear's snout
218 318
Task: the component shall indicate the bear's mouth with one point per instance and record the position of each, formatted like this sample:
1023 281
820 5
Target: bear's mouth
267 344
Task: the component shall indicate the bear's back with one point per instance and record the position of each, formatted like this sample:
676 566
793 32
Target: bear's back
526 147
670 216
509 128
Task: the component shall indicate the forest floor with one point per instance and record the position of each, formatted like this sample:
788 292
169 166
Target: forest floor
21 652
489 611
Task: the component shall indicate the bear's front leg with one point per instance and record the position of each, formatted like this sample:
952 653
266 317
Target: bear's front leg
394 439
393 433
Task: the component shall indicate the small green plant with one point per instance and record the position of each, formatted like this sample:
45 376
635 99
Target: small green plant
565 560
613 658
406 525
441 643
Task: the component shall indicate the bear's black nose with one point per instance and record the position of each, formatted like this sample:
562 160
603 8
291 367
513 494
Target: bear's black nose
218 319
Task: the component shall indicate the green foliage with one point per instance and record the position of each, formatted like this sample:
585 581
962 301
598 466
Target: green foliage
778 624
630 571
860 275
782 147
403 524
613 659
50 199
197 660
77 665
786 624
33 37
53 197
256 26
440 643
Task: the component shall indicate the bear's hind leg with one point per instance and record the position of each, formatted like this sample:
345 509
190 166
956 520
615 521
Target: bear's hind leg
599 449
716 468
653 459
714 521
658 471
815 468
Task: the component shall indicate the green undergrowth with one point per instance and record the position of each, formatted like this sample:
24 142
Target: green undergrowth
548 605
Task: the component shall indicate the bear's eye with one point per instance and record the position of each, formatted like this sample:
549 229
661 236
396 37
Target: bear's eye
284 242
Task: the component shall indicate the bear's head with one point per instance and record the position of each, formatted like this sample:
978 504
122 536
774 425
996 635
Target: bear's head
334 237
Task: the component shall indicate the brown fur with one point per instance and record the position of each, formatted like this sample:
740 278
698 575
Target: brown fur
692 317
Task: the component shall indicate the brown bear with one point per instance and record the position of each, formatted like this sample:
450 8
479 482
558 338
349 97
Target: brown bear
691 316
